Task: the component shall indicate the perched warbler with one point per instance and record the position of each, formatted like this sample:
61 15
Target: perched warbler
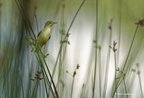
44 35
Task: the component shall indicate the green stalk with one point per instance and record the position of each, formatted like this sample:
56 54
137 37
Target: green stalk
35 87
107 62
26 18
36 22
51 79
117 86
138 73
96 38
72 87
115 71
100 71
140 85
125 87
74 18
67 34
44 72
130 48
119 35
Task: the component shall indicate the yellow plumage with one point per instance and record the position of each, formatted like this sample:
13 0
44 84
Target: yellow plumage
44 35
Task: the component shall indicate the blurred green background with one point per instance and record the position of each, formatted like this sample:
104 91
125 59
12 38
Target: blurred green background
97 24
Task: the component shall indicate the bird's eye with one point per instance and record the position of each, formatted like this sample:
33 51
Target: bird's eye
49 22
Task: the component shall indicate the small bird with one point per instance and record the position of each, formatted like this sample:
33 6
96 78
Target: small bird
44 35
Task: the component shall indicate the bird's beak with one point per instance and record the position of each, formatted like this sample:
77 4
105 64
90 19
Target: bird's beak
54 22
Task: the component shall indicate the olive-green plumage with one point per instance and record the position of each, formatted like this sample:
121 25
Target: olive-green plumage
44 35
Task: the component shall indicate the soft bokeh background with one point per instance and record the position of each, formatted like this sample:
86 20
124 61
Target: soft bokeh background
18 64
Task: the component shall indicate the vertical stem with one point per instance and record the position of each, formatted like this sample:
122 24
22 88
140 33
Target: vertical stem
107 64
118 83
72 87
50 76
138 72
100 71
67 34
119 35
125 86
130 48
115 71
96 37
140 85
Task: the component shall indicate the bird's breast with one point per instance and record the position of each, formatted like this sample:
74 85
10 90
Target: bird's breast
44 36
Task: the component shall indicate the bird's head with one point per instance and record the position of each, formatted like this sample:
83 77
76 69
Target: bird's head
50 23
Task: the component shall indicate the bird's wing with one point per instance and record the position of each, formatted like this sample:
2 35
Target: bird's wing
40 32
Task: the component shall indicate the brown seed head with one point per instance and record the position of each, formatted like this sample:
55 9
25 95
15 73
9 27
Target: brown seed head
74 73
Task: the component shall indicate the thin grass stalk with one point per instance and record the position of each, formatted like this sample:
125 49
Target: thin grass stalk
107 61
35 87
61 59
125 87
26 18
115 71
47 83
74 18
100 71
119 36
138 73
122 80
36 21
44 74
129 52
83 93
119 33
35 15
22 88
117 87
60 69
140 86
72 87
96 38
51 79
0 28
62 52
46 87
58 7
44 70
130 48
46 79
67 35
57 61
